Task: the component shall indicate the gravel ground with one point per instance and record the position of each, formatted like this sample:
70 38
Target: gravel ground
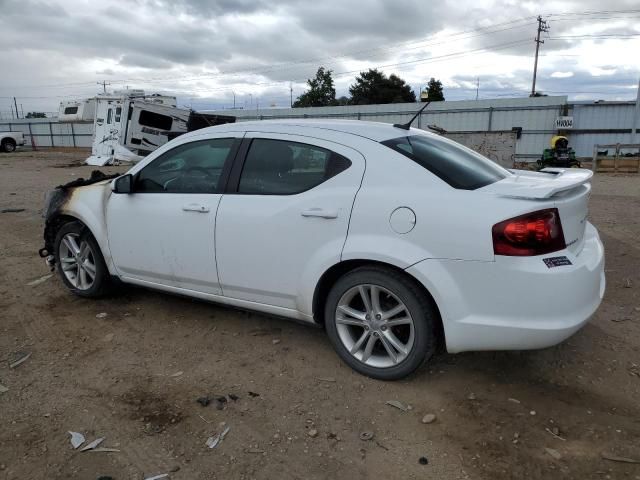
294 410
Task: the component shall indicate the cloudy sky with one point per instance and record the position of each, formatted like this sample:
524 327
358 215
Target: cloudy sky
208 51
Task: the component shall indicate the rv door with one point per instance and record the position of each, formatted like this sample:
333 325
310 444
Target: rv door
107 128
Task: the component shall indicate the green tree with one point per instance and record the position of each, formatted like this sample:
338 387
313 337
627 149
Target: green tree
374 87
321 93
36 115
434 91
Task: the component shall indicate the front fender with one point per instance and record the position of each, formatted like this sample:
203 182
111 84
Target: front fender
87 204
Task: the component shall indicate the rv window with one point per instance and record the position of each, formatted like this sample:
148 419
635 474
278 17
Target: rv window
109 116
155 120
71 110
118 113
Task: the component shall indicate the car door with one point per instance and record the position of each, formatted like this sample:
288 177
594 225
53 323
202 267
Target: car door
163 232
287 215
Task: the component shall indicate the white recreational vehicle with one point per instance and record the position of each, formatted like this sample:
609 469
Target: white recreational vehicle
77 110
128 124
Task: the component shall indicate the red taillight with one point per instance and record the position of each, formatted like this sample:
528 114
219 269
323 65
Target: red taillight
535 233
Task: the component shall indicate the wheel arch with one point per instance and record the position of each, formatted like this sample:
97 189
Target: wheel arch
332 274
53 225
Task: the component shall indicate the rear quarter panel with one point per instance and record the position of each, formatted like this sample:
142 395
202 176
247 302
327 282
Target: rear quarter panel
450 223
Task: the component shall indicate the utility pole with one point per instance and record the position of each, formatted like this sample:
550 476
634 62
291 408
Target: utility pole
291 94
477 87
542 27
636 120
16 104
104 85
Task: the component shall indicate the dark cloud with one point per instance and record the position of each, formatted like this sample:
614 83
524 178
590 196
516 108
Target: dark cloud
194 46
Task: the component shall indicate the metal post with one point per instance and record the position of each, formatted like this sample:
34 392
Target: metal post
51 133
615 159
490 118
594 162
73 135
33 143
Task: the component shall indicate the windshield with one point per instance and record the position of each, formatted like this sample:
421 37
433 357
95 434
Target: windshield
457 165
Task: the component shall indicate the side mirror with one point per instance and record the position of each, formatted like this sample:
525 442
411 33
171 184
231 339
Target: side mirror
123 184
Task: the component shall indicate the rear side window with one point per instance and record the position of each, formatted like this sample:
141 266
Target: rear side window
280 167
155 120
459 166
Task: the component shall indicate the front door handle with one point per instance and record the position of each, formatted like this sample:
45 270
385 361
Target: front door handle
320 212
195 207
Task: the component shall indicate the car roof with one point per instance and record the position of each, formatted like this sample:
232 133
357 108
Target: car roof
376 131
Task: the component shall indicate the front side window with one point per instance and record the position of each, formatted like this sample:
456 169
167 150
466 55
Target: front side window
459 166
281 167
194 167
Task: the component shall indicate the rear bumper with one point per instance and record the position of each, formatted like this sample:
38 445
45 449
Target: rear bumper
515 303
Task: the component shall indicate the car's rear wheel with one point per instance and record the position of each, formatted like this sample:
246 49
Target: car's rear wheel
380 322
9 145
79 261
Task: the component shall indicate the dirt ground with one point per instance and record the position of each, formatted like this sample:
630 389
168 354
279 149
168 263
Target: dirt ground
134 375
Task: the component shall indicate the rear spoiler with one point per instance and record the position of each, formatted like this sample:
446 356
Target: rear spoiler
539 185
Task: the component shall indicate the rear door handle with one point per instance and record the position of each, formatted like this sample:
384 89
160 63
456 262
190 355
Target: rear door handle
195 207
320 212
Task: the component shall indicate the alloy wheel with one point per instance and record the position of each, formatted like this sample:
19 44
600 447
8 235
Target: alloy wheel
77 261
374 325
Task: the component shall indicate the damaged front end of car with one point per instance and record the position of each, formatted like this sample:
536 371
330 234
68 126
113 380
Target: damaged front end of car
56 207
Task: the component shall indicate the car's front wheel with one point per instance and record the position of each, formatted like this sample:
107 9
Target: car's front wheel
380 322
79 261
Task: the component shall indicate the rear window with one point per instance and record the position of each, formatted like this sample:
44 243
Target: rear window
71 110
459 166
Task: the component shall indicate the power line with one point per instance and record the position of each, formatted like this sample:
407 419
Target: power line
595 35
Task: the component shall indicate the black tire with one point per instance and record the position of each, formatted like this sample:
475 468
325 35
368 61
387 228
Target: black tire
417 303
8 145
101 284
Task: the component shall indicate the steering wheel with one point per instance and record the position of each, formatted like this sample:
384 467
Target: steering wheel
198 169
185 173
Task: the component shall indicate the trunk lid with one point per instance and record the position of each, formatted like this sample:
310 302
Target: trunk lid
567 189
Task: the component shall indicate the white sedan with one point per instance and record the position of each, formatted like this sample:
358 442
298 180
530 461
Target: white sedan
393 239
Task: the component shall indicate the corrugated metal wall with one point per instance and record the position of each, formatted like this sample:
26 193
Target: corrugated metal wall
47 132
536 117
594 122
603 122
